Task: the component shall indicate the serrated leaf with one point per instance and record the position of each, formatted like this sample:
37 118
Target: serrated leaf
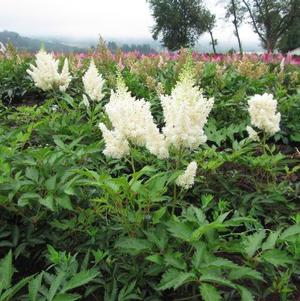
217 280
12 291
245 272
253 242
34 286
209 292
293 230
198 255
175 260
277 257
6 270
180 230
173 278
156 259
196 235
80 279
222 263
271 240
133 245
57 282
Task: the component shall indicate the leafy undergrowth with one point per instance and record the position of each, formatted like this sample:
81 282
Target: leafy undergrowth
76 225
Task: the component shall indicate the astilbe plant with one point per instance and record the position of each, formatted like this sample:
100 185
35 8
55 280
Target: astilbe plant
263 115
46 75
132 122
185 113
93 83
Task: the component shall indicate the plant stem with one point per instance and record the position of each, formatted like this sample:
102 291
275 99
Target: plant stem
132 162
177 162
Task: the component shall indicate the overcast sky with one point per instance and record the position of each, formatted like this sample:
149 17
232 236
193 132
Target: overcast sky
120 19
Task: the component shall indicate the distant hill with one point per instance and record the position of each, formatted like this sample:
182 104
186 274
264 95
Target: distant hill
33 45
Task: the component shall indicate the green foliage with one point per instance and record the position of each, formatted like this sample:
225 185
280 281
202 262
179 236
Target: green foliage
271 19
75 225
179 22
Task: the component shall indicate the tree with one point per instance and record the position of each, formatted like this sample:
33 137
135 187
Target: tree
271 19
179 22
210 21
236 10
291 40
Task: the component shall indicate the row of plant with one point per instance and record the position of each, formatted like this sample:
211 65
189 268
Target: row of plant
148 179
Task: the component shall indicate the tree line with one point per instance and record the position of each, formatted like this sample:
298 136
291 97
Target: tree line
179 23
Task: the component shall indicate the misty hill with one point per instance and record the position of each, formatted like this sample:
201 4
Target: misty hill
33 45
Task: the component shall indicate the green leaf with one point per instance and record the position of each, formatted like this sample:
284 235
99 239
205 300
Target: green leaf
9 293
156 259
32 174
6 270
173 278
175 260
291 231
34 286
205 228
59 143
222 263
51 183
80 279
64 201
245 293
158 214
133 245
245 273
253 242
26 197
47 202
271 240
198 255
146 170
180 230
295 137
217 280
127 293
209 292
55 285
277 257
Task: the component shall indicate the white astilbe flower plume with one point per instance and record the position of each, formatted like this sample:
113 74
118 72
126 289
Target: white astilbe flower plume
187 179
85 101
93 83
45 74
65 77
262 111
2 48
185 112
116 145
132 119
253 135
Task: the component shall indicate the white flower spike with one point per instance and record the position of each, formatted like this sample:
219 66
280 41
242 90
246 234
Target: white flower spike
45 74
185 111
262 111
93 83
187 179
